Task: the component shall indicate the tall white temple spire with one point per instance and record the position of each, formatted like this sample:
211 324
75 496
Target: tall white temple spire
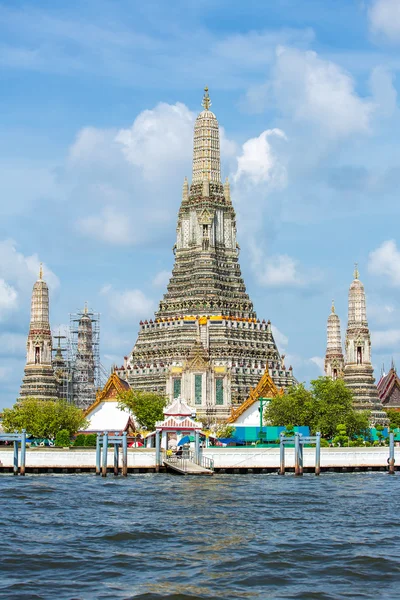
358 371
39 380
334 362
206 151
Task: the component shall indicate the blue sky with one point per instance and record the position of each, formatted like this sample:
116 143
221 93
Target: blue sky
97 105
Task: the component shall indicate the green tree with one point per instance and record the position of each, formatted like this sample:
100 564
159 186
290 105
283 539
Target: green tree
394 418
43 418
294 407
80 440
90 439
323 408
63 438
225 431
147 407
341 438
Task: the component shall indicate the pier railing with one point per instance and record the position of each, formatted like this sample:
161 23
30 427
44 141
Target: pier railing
184 460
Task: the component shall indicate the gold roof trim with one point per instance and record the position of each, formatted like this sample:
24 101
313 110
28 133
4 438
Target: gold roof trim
265 388
101 396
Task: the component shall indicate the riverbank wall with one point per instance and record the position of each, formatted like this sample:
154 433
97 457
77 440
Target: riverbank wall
226 460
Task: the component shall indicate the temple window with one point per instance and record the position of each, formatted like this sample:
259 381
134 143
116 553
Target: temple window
37 355
219 391
198 380
359 355
177 387
334 373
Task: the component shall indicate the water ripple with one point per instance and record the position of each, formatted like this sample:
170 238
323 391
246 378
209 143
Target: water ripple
80 537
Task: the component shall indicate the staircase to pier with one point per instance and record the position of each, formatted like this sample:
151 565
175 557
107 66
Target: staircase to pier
188 464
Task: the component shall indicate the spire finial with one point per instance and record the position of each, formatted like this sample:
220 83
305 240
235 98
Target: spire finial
333 306
206 99
41 271
356 273
85 310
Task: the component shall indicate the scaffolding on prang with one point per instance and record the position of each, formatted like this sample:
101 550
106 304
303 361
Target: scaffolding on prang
86 375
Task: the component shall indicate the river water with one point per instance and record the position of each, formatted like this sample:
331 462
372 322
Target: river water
70 537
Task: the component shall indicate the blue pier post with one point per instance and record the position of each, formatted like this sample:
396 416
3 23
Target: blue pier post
23 452
15 467
301 453
282 454
105 453
391 453
98 453
197 446
318 453
116 457
124 454
158 450
296 454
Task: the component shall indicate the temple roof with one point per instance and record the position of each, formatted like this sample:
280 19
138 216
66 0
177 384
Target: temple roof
114 386
386 384
265 388
178 408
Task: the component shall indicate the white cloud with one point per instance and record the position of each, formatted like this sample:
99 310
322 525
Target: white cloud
161 279
319 361
110 226
158 138
129 305
384 19
385 261
276 270
8 299
257 162
383 91
5 373
22 271
280 270
379 312
319 92
389 338
280 338
12 344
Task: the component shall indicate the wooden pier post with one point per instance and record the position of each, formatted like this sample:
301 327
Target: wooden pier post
318 453
296 454
23 453
15 465
116 457
105 451
158 450
98 453
124 454
282 454
391 454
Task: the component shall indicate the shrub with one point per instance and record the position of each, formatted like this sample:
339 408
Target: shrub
90 439
80 440
324 443
62 438
355 444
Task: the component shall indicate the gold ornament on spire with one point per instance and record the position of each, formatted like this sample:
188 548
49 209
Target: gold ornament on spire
41 271
333 306
206 99
356 273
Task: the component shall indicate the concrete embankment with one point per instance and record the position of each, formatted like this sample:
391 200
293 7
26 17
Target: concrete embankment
228 460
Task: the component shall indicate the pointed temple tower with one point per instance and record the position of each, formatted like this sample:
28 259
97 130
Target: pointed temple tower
206 344
39 380
358 370
83 375
334 362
